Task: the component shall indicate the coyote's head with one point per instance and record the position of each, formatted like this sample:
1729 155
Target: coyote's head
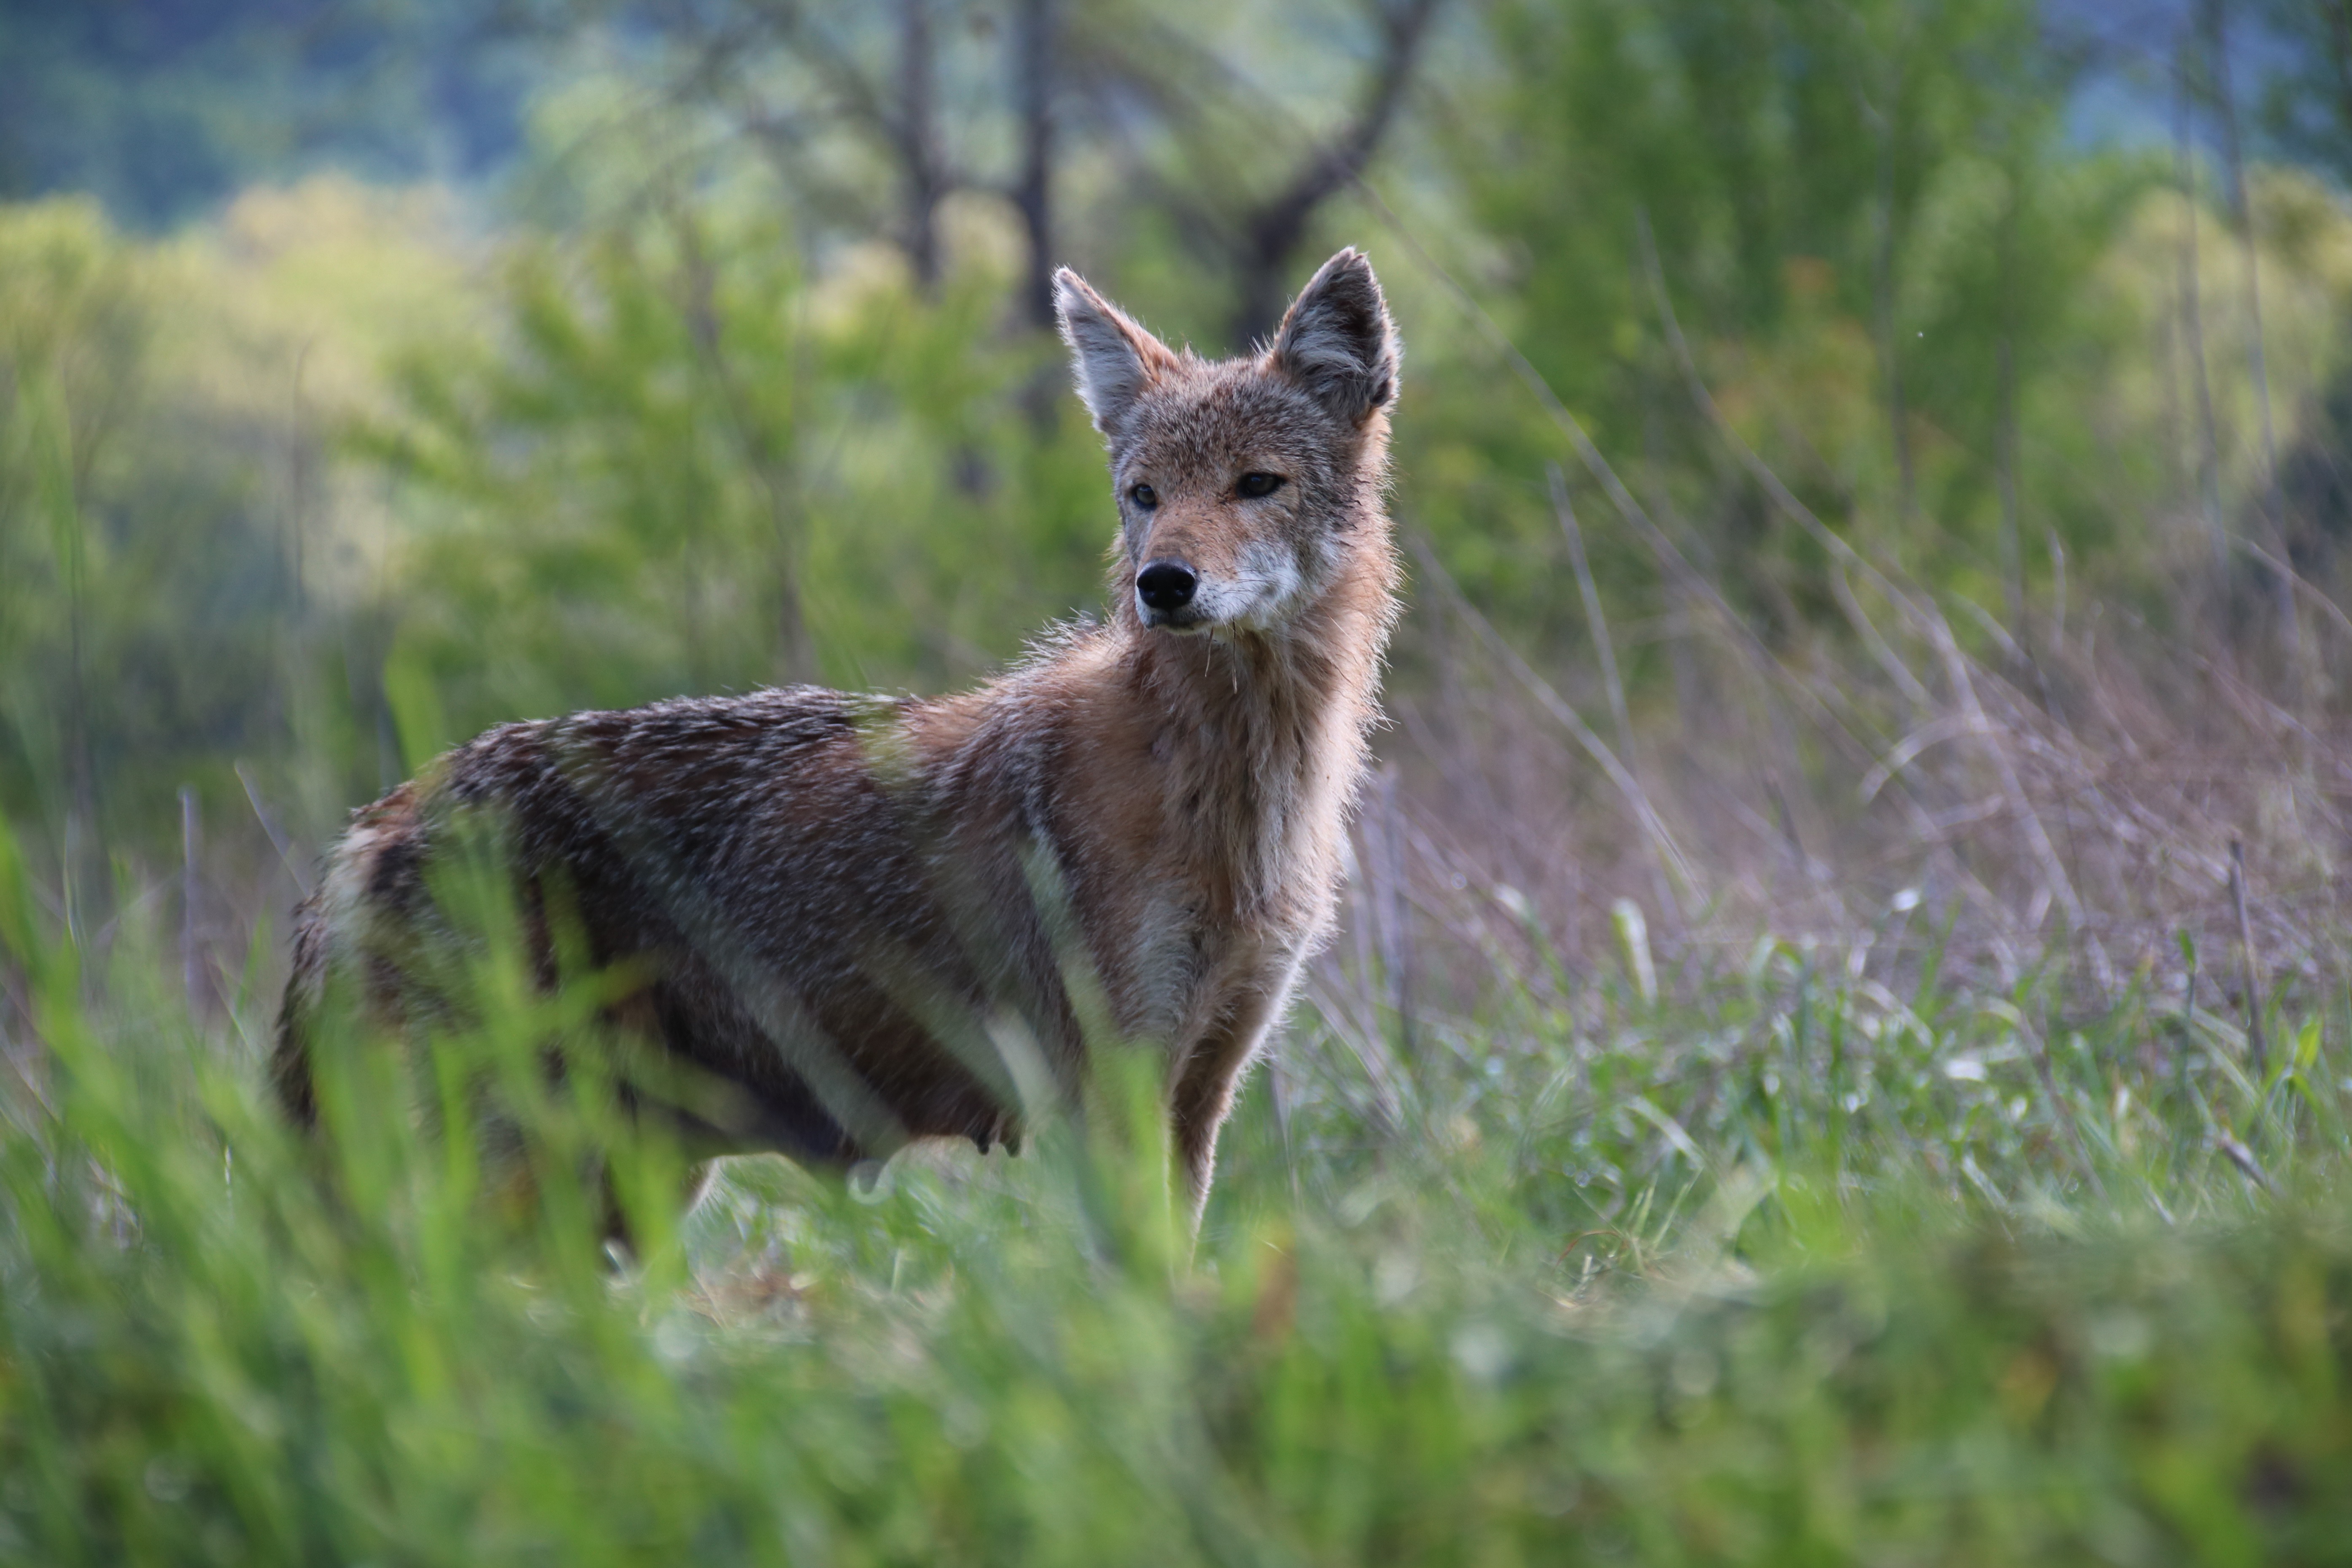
1244 484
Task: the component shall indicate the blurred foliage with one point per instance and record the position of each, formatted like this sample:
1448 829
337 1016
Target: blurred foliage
2306 106
181 555
1902 286
687 470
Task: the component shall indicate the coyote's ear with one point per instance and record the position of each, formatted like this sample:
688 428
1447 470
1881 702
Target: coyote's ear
1338 341
1113 357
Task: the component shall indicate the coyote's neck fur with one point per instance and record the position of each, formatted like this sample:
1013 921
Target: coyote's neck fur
830 907
1193 791
1261 734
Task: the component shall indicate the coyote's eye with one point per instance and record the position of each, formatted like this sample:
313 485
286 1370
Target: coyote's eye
1254 486
1145 497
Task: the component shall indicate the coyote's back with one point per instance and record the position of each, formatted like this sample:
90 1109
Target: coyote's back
858 922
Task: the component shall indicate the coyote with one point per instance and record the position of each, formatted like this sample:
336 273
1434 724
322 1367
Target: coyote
875 919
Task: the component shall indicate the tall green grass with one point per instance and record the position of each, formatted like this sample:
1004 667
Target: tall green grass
1769 1264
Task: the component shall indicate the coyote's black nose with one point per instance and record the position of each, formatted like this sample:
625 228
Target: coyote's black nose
1166 585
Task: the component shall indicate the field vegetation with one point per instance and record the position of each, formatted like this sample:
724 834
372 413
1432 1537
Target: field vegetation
1839 1046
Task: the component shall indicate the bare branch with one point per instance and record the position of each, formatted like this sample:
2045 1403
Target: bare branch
1269 236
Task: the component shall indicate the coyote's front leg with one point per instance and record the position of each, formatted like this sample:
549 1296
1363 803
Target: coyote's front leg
1207 1076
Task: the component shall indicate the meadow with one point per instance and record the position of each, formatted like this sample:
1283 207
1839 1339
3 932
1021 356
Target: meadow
1811 1251
1839 1042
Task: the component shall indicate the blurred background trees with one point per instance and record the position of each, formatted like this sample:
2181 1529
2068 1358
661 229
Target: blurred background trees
371 373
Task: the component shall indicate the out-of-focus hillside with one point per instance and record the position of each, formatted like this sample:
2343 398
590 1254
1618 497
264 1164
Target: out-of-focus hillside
164 109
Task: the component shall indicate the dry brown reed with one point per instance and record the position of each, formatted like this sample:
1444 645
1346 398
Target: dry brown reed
2063 797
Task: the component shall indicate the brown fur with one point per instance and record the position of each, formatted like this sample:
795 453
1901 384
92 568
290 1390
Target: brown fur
855 911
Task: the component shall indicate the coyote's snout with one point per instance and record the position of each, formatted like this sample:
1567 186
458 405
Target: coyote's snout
855 913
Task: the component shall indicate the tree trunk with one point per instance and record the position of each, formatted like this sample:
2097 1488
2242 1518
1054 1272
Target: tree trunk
919 141
1033 29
